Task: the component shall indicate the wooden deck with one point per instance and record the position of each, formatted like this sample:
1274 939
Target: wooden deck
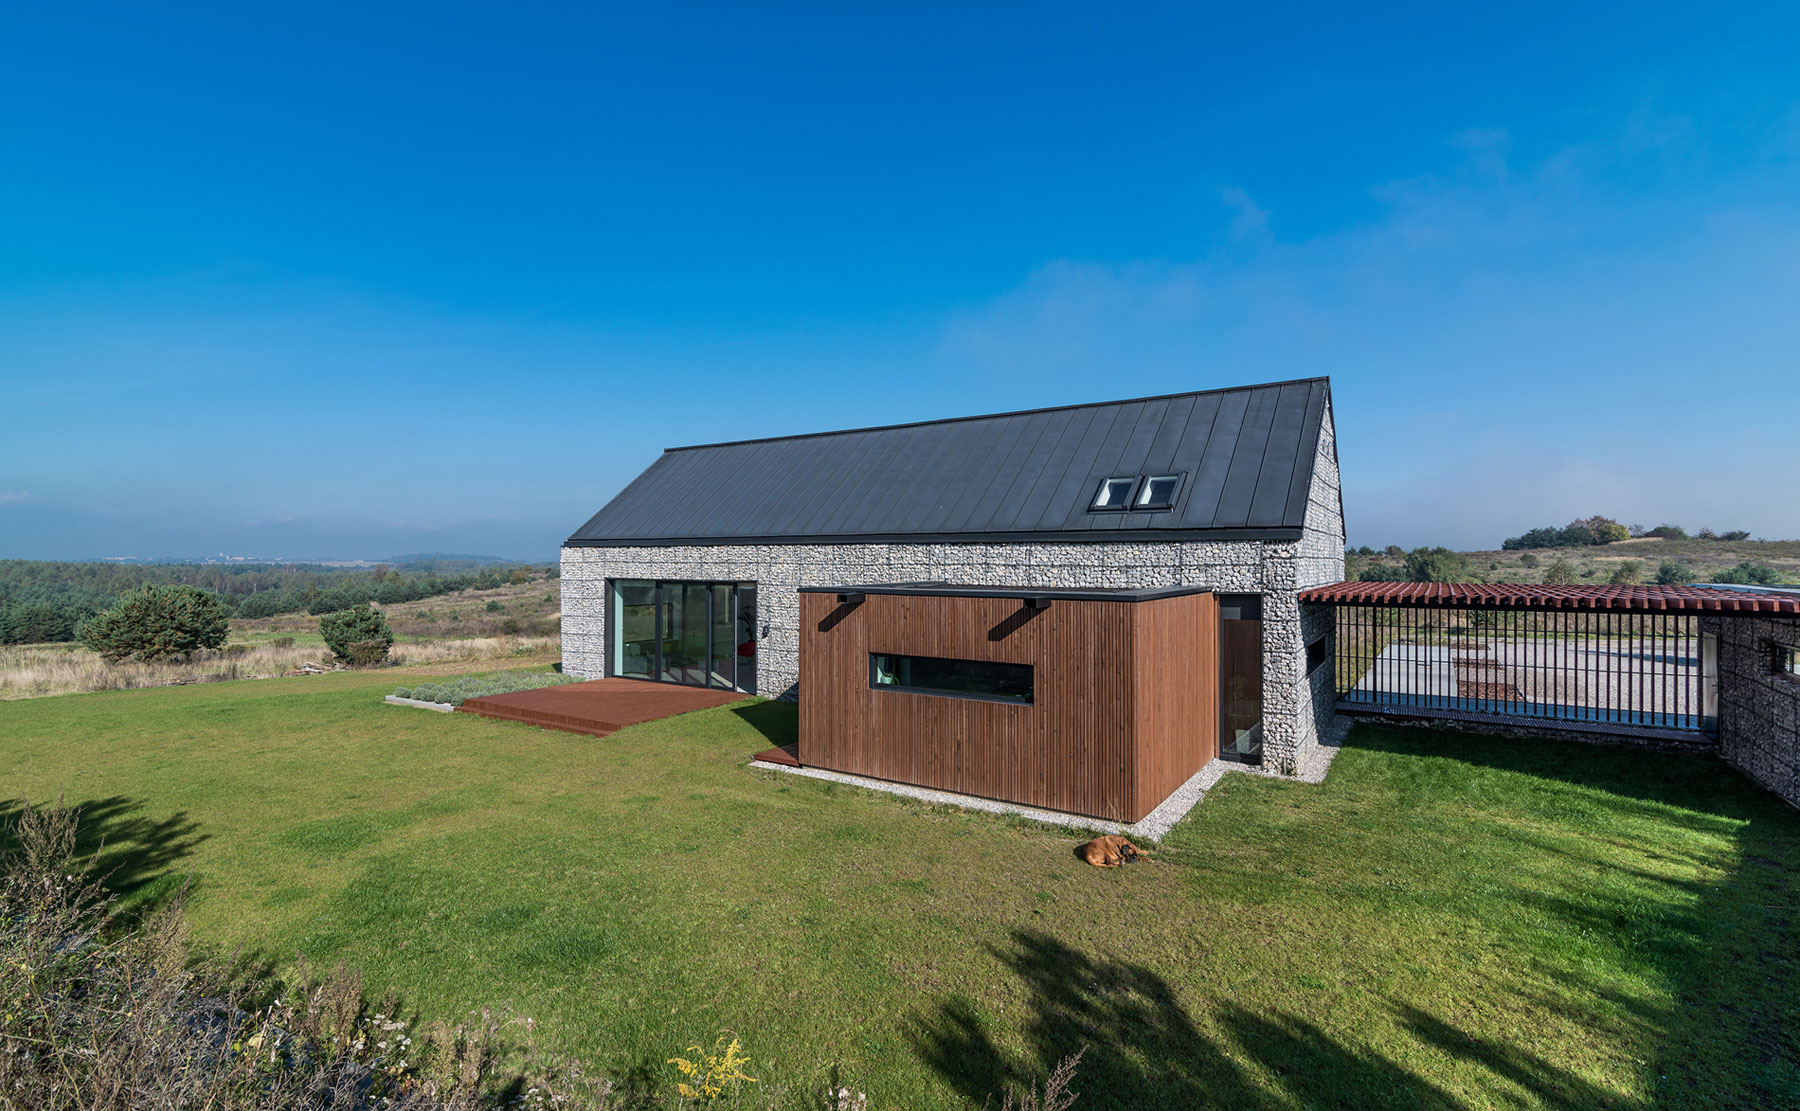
598 707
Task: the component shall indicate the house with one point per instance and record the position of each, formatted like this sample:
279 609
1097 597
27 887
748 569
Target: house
1073 607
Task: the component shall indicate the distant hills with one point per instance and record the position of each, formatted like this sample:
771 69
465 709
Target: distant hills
446 557
322 561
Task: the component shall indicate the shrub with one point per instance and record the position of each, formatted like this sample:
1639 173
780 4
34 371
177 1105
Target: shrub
102 1016
358 635
1760 574
1627 573
1528 560
1735 534
1436 565
158 623
1673 572
1706 534
1056 1094
495 607
708 1075
1604 530
38 623
1560 571
1668 532
1383 573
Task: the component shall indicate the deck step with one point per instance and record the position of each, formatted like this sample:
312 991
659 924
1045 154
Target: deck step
541 718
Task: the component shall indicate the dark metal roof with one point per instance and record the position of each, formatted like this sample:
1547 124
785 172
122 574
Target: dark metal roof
1246 454
1637 599
1055 593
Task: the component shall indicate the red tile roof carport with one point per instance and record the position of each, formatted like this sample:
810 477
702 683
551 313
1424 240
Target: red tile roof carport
1521 596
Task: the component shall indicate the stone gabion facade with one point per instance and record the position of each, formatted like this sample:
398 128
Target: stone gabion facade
1759 710
1297 708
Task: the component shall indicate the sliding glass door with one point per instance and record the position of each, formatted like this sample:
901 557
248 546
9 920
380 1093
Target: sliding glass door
693 633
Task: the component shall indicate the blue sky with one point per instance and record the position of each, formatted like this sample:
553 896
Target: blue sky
365 279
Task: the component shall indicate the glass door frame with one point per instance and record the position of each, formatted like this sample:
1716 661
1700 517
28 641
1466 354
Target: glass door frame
665 591
1241 611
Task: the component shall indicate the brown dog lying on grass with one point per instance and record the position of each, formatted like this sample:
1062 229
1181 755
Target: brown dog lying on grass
1110 851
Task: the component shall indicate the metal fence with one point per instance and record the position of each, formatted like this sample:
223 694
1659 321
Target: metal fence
1622 669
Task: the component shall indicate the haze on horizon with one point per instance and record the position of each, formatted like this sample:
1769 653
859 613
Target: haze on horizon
359 283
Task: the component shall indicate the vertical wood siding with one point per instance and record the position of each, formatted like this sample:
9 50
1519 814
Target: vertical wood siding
1125 705
1175 648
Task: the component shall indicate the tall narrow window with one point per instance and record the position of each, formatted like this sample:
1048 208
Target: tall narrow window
634 628
1787 660
1114 493
1240 678
1315 655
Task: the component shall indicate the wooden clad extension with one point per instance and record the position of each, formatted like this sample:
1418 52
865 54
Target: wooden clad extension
1125 702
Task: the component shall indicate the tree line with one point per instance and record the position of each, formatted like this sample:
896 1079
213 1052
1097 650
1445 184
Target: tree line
1586 532
44 601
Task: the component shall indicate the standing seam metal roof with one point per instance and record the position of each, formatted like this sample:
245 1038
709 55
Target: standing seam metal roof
1246 455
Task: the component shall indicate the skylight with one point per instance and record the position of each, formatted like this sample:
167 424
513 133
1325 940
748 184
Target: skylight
1114 493
1159 491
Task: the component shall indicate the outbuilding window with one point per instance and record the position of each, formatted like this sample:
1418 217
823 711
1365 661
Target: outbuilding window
995 682
1114 493
1787 660
1315 655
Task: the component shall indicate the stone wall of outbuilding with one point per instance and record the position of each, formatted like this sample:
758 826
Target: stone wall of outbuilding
1759 709
1297 707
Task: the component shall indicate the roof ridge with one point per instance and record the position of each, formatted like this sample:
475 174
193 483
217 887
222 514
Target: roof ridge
1008 413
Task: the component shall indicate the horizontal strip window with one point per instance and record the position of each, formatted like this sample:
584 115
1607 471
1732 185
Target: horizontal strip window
994 682
1787 660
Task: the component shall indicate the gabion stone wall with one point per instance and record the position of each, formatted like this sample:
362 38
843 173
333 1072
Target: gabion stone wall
1759 710
1297 708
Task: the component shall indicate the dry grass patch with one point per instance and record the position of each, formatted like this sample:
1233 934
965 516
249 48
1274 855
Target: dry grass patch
36 670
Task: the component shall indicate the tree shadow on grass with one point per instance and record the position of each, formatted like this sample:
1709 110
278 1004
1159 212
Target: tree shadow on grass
1145 1051
1721 946
133 854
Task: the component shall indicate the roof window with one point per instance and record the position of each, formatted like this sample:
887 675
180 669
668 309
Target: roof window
1114 493
1159 491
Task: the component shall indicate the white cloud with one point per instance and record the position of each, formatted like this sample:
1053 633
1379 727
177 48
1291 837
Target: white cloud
1250 220
15 497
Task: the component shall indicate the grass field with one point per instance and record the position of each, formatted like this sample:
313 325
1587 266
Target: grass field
1446 922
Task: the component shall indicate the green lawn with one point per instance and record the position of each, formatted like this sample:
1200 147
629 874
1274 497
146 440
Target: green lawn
1448 922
